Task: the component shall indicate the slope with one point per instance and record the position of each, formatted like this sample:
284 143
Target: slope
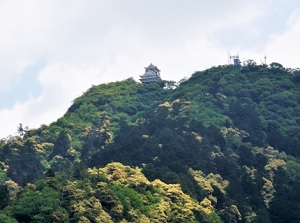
228 135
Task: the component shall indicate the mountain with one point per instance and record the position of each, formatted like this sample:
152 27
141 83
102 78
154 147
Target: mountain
221 146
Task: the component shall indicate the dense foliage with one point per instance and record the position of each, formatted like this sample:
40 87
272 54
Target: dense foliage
221 146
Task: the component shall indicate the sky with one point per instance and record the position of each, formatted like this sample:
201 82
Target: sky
52 51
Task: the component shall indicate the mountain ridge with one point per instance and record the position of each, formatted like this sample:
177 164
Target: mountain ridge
228 135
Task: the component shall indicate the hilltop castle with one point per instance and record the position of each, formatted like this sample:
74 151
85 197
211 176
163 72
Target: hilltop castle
151 74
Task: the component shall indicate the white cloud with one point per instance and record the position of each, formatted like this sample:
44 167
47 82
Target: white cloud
285 47
61 84
18 38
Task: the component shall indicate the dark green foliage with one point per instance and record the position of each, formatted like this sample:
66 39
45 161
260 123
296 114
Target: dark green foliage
4 196
212 218
296 78
62 144
23 160
238 126
6 219
39 206
130 199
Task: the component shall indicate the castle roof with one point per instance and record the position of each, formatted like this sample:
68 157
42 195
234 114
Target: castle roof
152 67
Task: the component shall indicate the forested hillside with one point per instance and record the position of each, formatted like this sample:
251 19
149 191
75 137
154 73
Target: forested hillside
221 146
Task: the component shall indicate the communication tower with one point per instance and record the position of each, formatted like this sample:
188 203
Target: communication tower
235 59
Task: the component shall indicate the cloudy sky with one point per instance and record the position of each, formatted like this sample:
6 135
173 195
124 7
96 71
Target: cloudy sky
52 51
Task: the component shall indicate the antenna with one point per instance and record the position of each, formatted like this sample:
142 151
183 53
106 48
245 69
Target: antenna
233 59
264 60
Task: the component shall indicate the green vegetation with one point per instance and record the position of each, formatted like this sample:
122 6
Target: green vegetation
221 146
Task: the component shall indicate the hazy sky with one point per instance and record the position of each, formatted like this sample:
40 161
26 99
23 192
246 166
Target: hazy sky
52 51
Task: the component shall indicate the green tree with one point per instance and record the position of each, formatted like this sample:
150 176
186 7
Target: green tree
39 206
4 196
6 219
62 144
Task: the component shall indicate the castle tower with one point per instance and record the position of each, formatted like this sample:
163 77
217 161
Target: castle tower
151 74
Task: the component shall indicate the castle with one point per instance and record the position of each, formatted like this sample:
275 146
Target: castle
151 74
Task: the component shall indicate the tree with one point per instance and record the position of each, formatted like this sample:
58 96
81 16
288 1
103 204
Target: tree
62 144
6 219
39 206
4 196
275 66
22 130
